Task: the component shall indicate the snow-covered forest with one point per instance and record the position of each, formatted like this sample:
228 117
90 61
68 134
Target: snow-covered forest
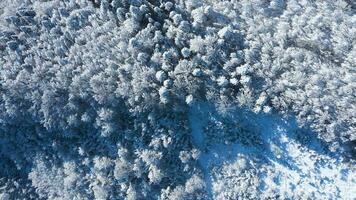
177 99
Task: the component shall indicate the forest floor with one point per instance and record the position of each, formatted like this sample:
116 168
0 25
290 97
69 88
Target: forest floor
286 163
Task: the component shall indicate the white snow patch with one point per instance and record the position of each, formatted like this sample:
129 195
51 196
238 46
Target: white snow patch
282 166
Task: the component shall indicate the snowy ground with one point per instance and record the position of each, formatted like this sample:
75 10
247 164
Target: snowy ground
290 162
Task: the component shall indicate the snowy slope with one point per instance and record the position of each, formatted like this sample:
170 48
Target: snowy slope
284 164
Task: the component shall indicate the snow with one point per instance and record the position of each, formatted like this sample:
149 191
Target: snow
222 81
185 52
284 164
189 99
84 81
161 76
197 72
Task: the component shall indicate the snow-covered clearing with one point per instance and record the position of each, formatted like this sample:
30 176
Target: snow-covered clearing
286 163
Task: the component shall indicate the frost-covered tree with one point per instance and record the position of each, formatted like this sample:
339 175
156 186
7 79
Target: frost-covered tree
95 95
